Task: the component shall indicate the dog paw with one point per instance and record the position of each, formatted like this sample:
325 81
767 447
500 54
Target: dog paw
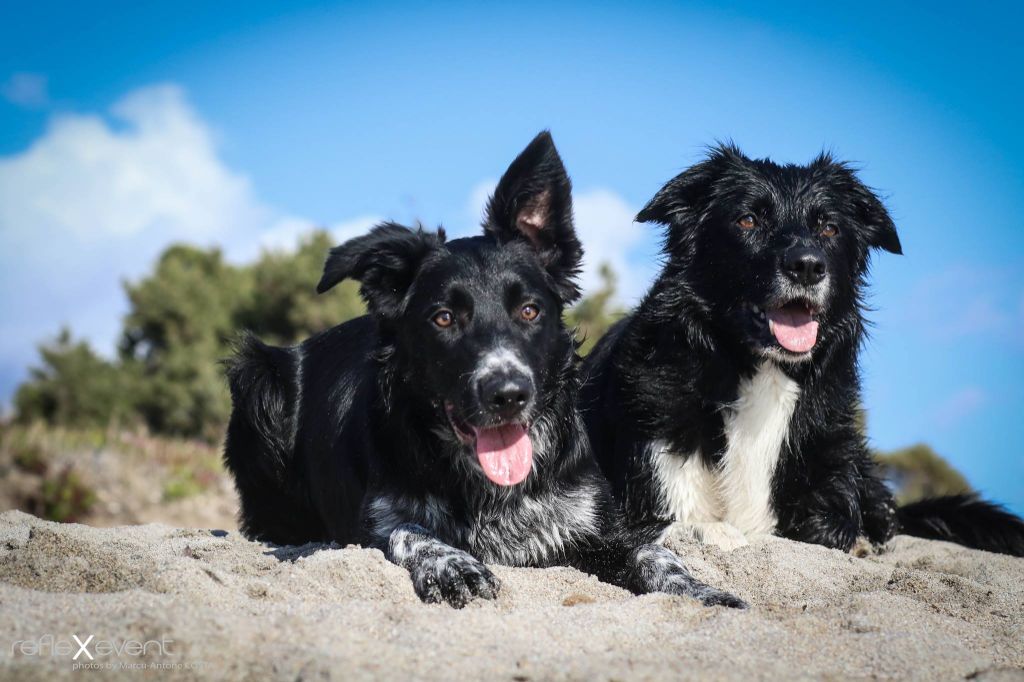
658 569
712 597
687 586
453 577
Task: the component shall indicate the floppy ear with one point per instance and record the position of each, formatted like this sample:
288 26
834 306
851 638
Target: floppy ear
868 210
385 261
533 203
875 219
684 198
678 198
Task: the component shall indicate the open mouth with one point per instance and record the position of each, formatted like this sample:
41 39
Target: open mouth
505 451
794 325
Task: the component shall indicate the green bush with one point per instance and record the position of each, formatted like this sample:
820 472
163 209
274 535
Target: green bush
64 497
181 322
918 472
72 386
595 314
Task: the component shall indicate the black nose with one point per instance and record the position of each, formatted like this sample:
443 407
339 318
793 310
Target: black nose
505 397
805 265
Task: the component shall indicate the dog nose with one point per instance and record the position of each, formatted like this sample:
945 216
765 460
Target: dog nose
505 397
805 265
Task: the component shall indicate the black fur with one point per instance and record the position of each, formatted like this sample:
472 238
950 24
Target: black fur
966 520
745 237
365 433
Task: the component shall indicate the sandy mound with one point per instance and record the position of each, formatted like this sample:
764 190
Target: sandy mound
211 604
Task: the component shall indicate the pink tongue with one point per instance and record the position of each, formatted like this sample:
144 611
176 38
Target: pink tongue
505 453
794 329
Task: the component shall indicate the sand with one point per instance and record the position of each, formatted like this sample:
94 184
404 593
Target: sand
212 605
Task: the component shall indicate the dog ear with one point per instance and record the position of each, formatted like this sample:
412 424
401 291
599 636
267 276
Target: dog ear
875 219
683 198
677 198
385 261
533 203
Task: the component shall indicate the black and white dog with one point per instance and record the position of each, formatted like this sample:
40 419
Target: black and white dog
441 428
729 399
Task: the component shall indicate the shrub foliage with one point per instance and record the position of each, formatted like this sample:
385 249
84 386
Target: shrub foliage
184 316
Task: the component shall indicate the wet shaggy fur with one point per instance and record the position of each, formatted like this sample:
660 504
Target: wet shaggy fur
360 434
698 414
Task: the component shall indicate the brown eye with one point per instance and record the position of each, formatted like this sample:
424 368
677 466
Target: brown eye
529 312
829 230
443 319
747 222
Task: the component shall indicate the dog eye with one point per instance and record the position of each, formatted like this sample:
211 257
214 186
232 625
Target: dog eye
443 319
529 312
829 230
747 222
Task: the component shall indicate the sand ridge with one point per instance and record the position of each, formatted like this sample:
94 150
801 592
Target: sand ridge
234 609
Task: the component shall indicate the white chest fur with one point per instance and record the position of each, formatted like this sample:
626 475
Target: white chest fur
738 490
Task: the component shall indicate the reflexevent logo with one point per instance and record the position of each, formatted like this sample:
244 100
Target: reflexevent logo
86 652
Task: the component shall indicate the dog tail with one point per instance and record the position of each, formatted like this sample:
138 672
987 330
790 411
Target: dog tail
261 379
966 520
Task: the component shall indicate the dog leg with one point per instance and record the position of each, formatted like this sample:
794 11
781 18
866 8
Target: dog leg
658 569
829 515
439 572
649 568
878 507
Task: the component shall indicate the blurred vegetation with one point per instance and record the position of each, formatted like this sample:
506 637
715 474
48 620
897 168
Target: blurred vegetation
104 476
72 386
64 497
181 322
918 472
597 312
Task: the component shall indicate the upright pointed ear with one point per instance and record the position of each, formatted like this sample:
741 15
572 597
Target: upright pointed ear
385 262
533 203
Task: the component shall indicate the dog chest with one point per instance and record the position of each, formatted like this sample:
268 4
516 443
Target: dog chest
738 489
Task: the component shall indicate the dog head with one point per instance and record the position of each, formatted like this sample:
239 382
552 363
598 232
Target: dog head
775 256
473 327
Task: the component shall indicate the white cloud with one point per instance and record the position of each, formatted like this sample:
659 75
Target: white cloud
355 227
284 234
605 225
96 198
26 90
90 203
477 202
159 174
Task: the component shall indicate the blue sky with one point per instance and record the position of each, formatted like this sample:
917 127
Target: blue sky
126 126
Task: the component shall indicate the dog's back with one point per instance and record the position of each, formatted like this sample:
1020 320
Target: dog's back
279 411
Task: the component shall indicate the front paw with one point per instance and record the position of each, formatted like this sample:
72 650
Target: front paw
829 530
880 522
453 577
710 596
687 586
660 570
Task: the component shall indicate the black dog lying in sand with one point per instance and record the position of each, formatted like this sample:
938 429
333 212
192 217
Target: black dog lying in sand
441 428
730 396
